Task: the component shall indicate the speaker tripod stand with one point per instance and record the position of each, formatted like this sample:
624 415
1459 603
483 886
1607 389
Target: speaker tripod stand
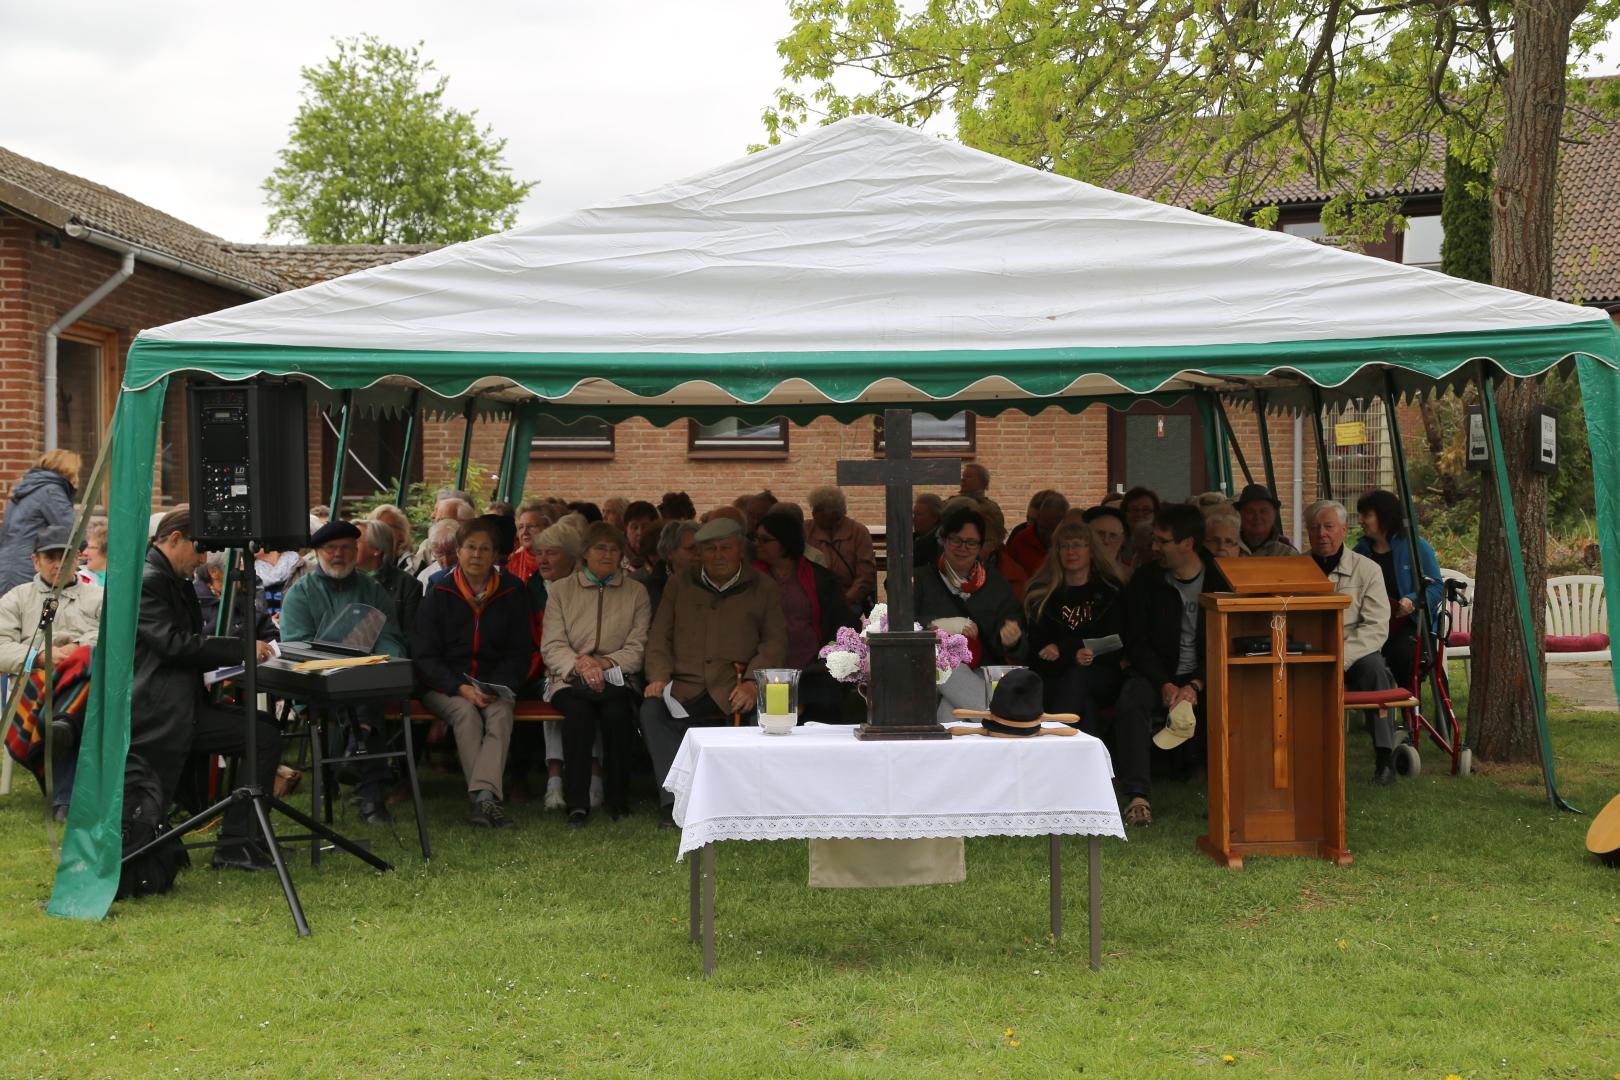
261 801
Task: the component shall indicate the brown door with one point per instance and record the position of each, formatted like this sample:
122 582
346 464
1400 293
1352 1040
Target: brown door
1159 447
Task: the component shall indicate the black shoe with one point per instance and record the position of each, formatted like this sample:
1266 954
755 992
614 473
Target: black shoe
488 814
1383 775
59 814
476 815
246 855
666 819
578 819
619 813
375 812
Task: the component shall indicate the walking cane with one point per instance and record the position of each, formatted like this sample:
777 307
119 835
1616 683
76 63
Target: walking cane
736 717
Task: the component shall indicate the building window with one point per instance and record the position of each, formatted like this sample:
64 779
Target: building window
733 437
952 436
1310 230
588 438
87 377
1420 243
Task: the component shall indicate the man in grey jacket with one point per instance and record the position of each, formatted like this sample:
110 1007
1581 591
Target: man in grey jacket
1366 620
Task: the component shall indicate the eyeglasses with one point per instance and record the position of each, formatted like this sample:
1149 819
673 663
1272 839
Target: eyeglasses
764 538
963 542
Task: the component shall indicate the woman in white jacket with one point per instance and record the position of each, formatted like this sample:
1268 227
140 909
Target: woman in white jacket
594 638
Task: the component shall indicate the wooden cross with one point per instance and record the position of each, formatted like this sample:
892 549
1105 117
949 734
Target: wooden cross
896 473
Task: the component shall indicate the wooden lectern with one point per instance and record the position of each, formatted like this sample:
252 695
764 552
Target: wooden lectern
1275 709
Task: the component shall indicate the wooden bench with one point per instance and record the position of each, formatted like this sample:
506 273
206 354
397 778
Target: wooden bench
523 711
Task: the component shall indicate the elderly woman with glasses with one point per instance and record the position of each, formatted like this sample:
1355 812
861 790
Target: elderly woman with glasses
963 595
594 639
814 605
472 648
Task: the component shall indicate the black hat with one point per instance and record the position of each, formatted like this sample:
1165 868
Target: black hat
52 538
334 530
1015 709
1257 491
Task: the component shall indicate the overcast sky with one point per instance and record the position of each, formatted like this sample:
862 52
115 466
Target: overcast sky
183 104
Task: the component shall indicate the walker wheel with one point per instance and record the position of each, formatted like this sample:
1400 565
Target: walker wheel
1465 762
1407 762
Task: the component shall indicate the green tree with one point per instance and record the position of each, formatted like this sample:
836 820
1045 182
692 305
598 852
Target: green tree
375 156
1212 103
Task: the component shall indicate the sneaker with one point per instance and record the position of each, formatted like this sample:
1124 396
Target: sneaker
495 815
578 819
375 812
476 815
554 795
597 795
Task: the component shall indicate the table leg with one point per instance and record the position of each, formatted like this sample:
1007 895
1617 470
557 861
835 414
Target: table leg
1094 898
1054 848
708 910
693 918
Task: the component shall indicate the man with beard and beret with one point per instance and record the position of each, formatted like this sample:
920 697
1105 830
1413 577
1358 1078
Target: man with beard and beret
333 585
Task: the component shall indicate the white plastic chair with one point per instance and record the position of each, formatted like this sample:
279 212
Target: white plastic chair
1462 618
1577 607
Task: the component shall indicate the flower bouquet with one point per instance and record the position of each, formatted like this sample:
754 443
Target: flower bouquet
849 657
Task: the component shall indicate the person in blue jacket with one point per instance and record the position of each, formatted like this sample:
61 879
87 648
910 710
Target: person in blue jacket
43 497
1384 540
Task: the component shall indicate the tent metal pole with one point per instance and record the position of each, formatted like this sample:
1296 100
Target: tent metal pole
342 455
1521 587
1324 475
1230 443
411 421
1404 486
1265 442
506 459
466 448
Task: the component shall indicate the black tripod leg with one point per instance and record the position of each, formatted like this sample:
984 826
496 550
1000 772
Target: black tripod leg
281 864
322 832
317 775
179 831
416 787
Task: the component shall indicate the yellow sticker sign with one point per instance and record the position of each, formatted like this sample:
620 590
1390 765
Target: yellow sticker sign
1350 433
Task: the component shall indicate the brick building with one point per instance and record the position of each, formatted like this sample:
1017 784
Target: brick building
63 237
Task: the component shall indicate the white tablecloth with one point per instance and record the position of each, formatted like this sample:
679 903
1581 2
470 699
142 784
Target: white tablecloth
822 783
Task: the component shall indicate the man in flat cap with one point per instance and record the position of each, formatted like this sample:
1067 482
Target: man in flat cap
716 623
78 616
334 584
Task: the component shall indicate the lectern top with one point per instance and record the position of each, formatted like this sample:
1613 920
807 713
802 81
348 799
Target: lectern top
1275 575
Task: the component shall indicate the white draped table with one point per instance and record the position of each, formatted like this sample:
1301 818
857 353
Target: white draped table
822 783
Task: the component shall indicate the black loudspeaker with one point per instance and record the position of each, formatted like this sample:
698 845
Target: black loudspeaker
249 464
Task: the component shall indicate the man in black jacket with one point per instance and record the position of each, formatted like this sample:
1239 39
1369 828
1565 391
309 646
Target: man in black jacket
1164 645
170 715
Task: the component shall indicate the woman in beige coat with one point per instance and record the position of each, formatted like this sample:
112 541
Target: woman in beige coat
593 643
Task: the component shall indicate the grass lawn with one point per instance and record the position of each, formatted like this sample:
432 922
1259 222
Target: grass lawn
1473 936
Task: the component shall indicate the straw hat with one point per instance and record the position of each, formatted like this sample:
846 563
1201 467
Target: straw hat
1603 838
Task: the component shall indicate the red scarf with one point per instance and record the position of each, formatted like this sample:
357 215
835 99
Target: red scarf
970 585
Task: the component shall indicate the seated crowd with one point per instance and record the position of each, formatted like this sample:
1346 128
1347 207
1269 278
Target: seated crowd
638 620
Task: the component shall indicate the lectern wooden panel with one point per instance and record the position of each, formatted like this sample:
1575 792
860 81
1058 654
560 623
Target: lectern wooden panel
1276 725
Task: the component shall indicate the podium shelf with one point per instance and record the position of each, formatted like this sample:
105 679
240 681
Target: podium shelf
1291 658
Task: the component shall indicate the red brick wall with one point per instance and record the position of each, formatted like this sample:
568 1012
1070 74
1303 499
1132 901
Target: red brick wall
39 281
1023 453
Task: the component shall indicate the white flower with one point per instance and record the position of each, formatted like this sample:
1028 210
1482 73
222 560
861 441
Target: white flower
843 666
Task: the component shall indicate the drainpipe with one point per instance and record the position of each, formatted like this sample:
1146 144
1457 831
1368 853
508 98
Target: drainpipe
74 314
130 252
1299 478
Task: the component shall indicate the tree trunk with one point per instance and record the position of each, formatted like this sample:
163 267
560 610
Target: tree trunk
1502 718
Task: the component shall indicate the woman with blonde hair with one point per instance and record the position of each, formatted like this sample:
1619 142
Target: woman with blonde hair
1073 598
43 497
